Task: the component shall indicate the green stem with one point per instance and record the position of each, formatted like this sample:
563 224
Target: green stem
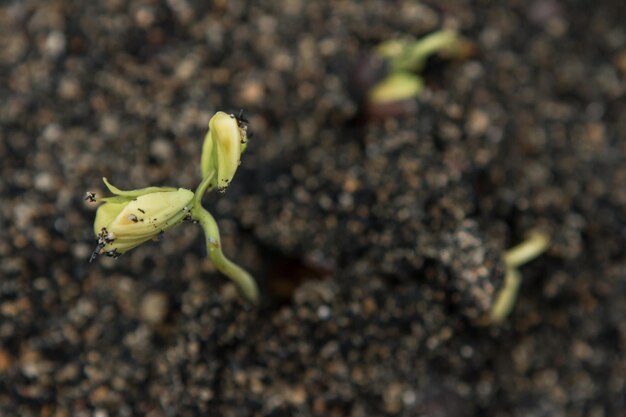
505 299
535 244
204 186
243 279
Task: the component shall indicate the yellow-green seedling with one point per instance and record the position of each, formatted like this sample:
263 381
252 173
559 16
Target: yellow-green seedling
406 59
130 218
535 244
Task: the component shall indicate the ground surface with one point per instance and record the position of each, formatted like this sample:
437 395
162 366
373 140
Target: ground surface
376 240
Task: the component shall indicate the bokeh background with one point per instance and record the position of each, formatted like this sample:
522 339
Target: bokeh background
376 235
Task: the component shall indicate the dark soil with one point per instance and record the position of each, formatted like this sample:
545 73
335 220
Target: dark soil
376 235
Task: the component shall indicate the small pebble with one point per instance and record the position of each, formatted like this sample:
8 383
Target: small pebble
154 307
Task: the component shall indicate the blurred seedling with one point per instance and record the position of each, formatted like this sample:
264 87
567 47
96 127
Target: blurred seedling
406 59
535 244
133 217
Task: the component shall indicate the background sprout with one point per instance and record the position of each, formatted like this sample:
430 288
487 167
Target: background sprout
535 244
406 59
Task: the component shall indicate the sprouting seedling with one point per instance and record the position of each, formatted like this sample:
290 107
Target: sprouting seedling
535 244
406 59
133 217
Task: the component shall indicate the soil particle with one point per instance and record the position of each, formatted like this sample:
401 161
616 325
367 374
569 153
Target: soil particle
154 307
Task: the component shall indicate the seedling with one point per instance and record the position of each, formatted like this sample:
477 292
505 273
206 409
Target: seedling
406 59
535 244
133 217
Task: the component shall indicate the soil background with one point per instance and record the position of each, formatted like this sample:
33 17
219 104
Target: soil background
376 234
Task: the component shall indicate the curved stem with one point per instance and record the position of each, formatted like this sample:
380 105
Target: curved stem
203 187
243 279
535 244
